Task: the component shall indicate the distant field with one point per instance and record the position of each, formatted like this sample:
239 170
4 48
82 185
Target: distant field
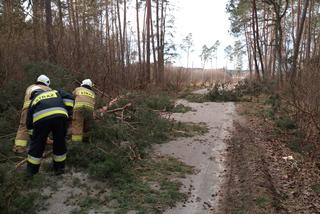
179 76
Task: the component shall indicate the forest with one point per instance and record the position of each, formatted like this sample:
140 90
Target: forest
281 39
271 78
92 37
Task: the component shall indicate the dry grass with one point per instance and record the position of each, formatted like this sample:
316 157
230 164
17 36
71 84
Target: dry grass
179 77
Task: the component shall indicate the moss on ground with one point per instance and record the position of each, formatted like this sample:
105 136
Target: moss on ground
180 108
195 98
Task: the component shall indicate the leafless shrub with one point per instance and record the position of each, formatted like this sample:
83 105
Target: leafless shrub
304 99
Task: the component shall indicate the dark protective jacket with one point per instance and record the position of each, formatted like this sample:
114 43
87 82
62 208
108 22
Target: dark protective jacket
49 104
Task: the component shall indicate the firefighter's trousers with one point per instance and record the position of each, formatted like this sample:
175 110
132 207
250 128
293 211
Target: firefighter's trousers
22 136
79 126
58 127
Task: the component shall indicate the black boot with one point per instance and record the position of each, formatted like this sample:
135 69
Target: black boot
32 169
58 167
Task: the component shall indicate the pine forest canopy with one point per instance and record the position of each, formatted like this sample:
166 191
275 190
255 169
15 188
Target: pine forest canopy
280 35
95 38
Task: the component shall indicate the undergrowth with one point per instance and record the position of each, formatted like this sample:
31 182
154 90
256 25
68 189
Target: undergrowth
272 106
115 139
244 90
286 127
118 146
149 186
180 108
222 93
194 98
118 153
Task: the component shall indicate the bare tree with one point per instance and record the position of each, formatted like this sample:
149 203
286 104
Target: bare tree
51 49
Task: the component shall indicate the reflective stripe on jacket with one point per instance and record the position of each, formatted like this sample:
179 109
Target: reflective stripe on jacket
49 112
84 98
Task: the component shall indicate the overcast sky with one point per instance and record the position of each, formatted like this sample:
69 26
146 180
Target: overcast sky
207 20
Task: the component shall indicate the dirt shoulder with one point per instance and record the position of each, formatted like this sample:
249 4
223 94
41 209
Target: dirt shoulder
263 174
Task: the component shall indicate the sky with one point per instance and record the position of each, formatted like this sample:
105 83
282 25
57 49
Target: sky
207 20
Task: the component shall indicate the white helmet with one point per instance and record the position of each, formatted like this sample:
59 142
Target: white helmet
44 79
87 82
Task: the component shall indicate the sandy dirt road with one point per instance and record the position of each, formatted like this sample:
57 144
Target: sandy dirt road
206 153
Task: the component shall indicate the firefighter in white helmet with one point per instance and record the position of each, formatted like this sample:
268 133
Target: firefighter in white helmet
22 136
48 113
85 100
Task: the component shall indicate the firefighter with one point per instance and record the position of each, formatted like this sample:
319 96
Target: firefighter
22 137
85 100
48 112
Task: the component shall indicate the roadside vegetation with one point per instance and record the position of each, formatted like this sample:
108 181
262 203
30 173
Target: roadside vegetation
242 91
276 147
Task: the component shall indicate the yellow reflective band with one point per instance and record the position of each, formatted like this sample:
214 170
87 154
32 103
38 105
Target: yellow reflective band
44 96
68 102
59 158
22 143
30 132
33 160
26 104
50 113
83 105
76 138
86 92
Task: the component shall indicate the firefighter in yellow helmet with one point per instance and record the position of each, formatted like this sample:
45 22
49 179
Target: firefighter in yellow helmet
85 99
22 136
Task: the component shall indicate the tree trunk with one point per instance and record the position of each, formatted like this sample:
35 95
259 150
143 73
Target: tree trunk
298 39
308 49
162 33
51 50
258 38
249 53
141 70
148 23
121 42
36 30
155 63
255 46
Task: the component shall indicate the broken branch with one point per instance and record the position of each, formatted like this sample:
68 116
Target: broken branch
21 163
119 109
